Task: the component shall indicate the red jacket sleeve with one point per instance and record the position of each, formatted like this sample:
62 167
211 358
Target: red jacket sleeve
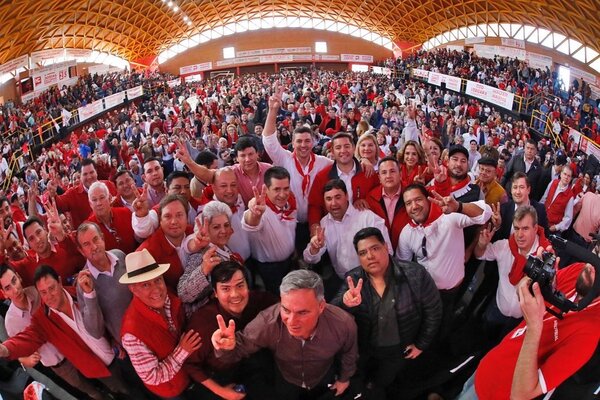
26 342
315 200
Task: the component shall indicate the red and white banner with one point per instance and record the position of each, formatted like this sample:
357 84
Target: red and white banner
39 56
14 64
577 73
135 92
540 61
53 75
174 82
381 71
490 94
453 83
420 73
434 78
585 144
276 58
193 78
327 57
281 50
513 43
90 110
114 100
190 69
359 58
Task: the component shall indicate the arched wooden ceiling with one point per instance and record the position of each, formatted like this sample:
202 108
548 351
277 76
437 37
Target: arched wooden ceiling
133 29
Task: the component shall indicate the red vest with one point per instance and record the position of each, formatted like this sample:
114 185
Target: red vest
556 209
162 251
124 238
152 329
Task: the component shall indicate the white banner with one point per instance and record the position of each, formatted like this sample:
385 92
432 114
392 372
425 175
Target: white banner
381 71
78 53
474 40
174 82
360 58
327 57
14 64
434 78
276 58
302 57
420 73
114 100
282 50
577 73
53 75
453 83
135 92
29 96
452 47
38 56
486 51
191 69
193 78
513 43
540 61
98 69
90 110
490 94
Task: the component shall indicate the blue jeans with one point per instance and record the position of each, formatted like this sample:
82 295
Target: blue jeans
468 392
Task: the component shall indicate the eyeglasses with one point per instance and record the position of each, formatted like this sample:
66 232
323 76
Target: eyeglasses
424 246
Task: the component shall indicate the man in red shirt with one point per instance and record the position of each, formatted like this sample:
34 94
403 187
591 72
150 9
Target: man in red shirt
75 200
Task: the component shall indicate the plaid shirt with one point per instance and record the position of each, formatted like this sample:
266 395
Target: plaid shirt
150 369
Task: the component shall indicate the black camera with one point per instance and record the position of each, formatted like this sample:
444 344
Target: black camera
541 270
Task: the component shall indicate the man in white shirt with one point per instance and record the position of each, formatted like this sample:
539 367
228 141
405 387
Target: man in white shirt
434 238
337 230
504 313
271 225
24 303
302 164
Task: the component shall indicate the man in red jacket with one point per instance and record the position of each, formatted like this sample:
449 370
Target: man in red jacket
75 200
152 331
558 200
346 168
76 330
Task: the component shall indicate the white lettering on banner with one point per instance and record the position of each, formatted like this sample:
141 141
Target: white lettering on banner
434 78
490 94
14 64
174 82
513 43
420 73
190 69
474 40
356 58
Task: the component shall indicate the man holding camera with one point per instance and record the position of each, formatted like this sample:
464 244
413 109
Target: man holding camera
543 351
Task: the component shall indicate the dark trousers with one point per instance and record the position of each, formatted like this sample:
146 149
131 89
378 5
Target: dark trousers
272 273
378 368
288 391
302 236
496 325
67 372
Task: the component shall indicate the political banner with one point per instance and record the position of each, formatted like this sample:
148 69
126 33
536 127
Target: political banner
191 69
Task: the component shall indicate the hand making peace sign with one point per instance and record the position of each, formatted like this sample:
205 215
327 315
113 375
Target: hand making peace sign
352 297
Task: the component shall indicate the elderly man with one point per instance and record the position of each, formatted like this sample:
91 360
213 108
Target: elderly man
152 331
103 269
494 192
75 200
305 335
115 222
77 332
396 307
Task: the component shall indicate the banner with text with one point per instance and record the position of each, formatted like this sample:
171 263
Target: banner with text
14 64
359 58
53 75
513 43
282 50
39 56
174 82
490 94
192 69
99 106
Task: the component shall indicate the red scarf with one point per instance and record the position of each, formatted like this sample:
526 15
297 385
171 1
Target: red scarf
435 212
516 272
305 177
460 184
286 214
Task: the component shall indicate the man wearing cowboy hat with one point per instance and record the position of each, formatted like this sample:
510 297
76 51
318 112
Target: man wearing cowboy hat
152 328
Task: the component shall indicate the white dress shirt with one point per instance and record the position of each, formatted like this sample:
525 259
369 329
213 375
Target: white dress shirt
339 237
445 245
273 239
284 158
347 178
100 347
145 226
506 295
16 320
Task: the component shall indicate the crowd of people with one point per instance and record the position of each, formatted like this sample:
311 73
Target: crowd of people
307 234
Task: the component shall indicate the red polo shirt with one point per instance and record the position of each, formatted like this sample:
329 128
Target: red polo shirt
75 201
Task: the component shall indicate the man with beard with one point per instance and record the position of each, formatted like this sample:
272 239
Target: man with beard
458 184
8 227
